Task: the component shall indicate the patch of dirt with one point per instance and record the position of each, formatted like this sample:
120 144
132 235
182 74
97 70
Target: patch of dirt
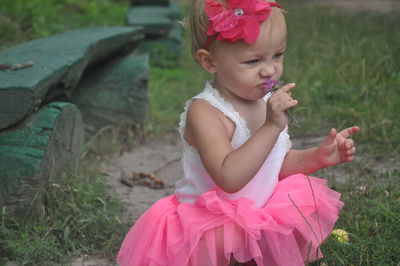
155 162
92 260
157 158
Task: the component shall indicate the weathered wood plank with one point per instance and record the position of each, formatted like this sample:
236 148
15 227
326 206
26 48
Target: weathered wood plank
58 63
113 92
37 152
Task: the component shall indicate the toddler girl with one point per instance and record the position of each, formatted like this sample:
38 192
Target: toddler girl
246 197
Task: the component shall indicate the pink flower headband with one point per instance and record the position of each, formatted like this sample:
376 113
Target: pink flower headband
236 20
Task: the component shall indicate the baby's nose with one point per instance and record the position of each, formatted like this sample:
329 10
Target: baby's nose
267 70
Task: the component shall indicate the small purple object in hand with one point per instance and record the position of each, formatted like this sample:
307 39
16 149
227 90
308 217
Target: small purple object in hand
272 85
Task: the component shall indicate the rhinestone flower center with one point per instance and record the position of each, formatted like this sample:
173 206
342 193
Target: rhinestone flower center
238 12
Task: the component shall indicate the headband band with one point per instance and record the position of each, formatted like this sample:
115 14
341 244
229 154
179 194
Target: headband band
236 20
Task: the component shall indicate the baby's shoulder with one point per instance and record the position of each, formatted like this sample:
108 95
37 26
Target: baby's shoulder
200 110
202 116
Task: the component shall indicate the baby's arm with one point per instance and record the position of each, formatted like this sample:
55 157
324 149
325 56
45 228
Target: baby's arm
231 169
337 148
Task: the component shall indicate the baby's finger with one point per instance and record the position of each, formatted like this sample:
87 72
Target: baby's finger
286 88
349 159
347 132
351 151
331 137
349 144
291 103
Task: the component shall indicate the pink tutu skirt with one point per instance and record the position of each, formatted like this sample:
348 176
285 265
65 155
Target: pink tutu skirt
288 230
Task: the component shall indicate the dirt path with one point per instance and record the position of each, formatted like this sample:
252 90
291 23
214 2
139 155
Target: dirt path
160 157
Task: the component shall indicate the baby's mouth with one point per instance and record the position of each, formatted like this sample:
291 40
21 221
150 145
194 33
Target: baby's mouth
272 85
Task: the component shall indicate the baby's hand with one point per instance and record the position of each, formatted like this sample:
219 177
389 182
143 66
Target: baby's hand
337 147
280 101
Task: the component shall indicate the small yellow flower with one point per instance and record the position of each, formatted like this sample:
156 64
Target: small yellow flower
340 235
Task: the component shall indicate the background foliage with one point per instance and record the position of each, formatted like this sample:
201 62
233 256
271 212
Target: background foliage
22 20
347 67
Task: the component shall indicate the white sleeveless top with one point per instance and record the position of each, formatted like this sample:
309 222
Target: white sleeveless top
196 180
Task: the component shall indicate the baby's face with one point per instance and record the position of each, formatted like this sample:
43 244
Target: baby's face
242 69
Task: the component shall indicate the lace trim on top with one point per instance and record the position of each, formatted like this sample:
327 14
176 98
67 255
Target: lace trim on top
212 96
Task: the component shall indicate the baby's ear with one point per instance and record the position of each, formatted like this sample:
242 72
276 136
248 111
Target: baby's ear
205 59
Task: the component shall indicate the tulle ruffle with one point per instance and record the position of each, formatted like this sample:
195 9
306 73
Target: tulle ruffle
288 230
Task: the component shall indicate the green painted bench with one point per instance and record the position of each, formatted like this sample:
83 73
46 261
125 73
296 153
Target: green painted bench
57 64
156 20
36 153
48 88
149 2
163 32
114 92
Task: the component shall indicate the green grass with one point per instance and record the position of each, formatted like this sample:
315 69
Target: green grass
26 20
370 215
347 70
79 217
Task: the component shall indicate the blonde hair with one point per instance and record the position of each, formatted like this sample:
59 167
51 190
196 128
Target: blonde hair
198 23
